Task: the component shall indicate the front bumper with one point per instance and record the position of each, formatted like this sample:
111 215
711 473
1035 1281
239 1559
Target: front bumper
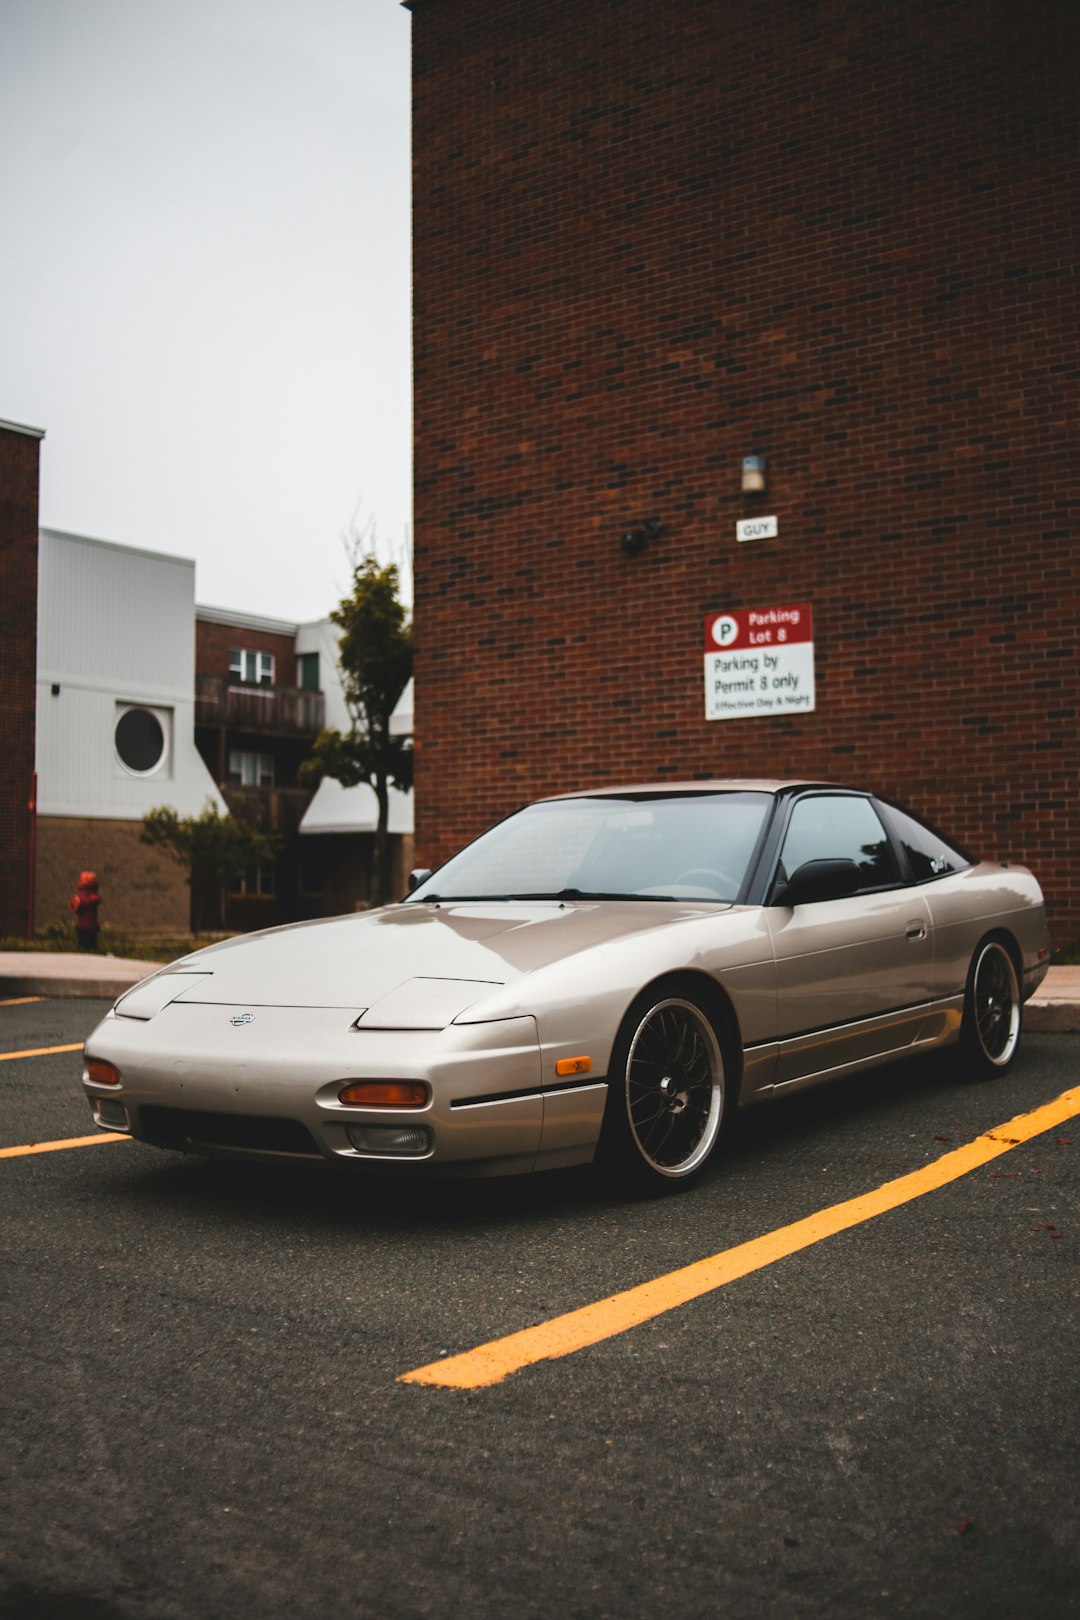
268 1089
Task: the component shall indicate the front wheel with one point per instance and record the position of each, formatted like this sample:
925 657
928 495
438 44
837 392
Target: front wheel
990 1033
666 1093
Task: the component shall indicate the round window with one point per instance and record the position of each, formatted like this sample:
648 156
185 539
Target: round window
140 741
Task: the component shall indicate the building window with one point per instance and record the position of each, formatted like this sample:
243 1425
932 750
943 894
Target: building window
248 769
254 668
256 882
307 667
141 739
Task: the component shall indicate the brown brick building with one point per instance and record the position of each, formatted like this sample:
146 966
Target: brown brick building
655 237
258 710
264 690
20 449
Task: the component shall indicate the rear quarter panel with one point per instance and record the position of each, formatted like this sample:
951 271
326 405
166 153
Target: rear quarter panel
985 899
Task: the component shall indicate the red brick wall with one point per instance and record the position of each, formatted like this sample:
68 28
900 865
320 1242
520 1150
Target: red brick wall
214 642
19 457
654 236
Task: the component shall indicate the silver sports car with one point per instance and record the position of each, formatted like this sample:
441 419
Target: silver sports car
601 975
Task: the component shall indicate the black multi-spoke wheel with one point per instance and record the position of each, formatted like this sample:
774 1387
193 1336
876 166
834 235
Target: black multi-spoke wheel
666 1091
991 1030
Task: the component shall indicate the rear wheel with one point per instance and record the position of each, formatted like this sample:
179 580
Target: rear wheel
990 1033
667 1089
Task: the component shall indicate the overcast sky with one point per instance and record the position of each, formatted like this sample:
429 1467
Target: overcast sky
204 209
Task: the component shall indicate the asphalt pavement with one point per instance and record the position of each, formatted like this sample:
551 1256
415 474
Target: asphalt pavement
204 1415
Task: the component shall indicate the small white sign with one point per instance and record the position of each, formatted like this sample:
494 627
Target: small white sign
762 528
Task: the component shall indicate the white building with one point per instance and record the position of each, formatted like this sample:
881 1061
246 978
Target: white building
116 738
115 725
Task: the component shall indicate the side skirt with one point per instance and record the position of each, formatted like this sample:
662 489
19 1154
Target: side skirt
871 1041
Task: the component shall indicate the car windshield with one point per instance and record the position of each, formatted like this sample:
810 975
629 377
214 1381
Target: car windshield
685 846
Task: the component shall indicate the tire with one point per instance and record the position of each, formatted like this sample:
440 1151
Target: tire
990 1032
668 1087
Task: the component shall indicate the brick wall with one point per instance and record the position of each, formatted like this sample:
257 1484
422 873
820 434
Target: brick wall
655 236
19 458
214 642
143 890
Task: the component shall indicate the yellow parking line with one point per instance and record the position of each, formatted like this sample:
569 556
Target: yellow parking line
20 1001
55 1147
40 1051
491 1363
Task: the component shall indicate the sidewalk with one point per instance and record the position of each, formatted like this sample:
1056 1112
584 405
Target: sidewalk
1055 1006
1056 1003
67 973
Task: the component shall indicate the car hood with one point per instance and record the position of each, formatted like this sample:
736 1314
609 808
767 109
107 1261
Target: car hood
407 966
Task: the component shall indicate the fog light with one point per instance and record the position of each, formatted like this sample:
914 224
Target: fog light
102 1073
401 1140
111 1112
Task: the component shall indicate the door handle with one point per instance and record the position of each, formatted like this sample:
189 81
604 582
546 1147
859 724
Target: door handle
915 930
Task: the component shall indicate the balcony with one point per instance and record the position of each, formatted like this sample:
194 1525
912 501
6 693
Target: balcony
270 810
286 711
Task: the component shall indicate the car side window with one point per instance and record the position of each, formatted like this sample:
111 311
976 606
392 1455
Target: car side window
929 855
840 827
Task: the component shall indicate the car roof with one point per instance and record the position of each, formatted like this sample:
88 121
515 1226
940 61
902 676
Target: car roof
711 784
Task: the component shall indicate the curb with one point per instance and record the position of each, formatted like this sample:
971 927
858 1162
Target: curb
99 978
1046 1015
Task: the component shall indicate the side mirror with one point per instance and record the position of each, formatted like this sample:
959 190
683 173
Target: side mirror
418 875
819 880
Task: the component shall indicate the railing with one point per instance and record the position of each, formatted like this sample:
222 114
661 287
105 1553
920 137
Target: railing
270 810
286 709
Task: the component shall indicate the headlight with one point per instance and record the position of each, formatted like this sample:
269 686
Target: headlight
155 994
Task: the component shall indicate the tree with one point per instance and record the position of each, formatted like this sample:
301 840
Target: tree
375 662
214 849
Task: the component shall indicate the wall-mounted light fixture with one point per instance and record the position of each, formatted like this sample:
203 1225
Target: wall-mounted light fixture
634 541
753 475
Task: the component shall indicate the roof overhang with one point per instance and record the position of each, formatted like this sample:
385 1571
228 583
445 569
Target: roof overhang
338 809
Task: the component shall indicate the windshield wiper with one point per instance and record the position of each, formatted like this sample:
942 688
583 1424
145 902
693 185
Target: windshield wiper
575 894
458 899
538 894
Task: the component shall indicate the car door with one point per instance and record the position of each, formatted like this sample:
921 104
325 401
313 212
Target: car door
853 974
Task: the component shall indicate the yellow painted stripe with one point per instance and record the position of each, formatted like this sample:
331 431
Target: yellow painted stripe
39 1051
20 1001
491 1363
55 1147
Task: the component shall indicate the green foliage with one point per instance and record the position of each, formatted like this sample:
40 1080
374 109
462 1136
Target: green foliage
375 662
212 848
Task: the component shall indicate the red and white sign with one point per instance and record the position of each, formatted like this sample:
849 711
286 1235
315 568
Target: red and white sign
759 661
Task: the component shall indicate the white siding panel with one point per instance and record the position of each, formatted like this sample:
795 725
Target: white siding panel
78 770
322 636
116 627
338 809
401 721
111 615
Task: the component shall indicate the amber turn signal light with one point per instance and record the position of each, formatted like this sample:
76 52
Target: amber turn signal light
578 1065
384 1094
102 1073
